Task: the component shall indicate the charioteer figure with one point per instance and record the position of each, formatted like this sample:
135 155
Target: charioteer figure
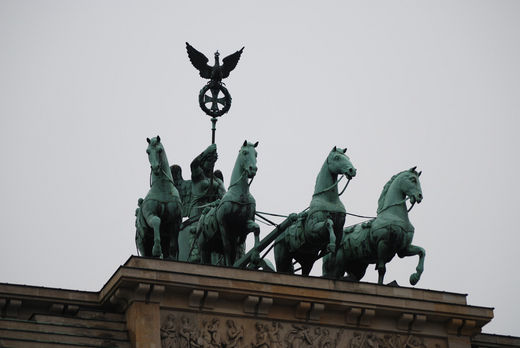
206 186
204 189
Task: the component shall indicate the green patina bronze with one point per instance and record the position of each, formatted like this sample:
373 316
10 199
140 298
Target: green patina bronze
218 105
321 227
205 187
217 222
214 93
224 224
379 240
159 214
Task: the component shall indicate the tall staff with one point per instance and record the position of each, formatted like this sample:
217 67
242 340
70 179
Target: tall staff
214 94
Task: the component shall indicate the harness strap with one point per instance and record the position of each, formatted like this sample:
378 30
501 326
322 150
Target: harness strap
331 187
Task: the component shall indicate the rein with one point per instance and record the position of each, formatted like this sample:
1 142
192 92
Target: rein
240 178
397 203
164 172
334 185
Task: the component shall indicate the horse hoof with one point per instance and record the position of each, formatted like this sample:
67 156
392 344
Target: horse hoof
414 278
156 252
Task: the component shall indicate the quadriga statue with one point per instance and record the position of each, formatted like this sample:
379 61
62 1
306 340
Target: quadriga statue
379 240
223 227
321 227
158 217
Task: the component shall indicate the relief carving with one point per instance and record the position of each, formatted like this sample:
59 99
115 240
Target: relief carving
169 337
188 334
299 337
235 336
191 330
267 337
372 340
210 336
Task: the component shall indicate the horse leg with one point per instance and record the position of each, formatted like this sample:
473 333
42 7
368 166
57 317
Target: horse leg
174 246
227 244
240 250
173 229
155 222
205 253
412 250
282 258
328 268
333 264
382 250
338 230
253 227
356 270
307 266
202 242
328 225
165 243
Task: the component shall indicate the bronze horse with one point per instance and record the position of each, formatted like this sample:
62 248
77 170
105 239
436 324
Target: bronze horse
159 215
223 227
380 239
320 228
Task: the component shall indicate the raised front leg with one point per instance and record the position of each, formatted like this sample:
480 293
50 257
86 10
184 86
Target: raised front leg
412 250
328 227
332 236
155 222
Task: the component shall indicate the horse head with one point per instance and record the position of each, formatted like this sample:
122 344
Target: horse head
247 156
411 186
155 153
339 163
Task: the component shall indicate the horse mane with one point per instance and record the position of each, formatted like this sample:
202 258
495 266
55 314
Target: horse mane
382 197
332 152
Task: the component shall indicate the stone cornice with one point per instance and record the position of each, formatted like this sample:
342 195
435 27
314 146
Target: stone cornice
186 286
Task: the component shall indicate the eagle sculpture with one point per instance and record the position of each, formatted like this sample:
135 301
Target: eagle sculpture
216 72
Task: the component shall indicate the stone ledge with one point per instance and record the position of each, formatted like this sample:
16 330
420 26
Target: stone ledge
262 302
231 291
491 341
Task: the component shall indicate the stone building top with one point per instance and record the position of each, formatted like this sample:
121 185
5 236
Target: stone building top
168 303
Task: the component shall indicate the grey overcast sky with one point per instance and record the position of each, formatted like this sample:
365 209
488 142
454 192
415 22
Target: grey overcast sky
400 83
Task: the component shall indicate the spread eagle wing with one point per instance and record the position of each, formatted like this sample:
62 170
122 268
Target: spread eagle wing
230 62
199 61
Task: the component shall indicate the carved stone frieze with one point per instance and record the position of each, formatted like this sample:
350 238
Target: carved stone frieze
198 330
385 340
